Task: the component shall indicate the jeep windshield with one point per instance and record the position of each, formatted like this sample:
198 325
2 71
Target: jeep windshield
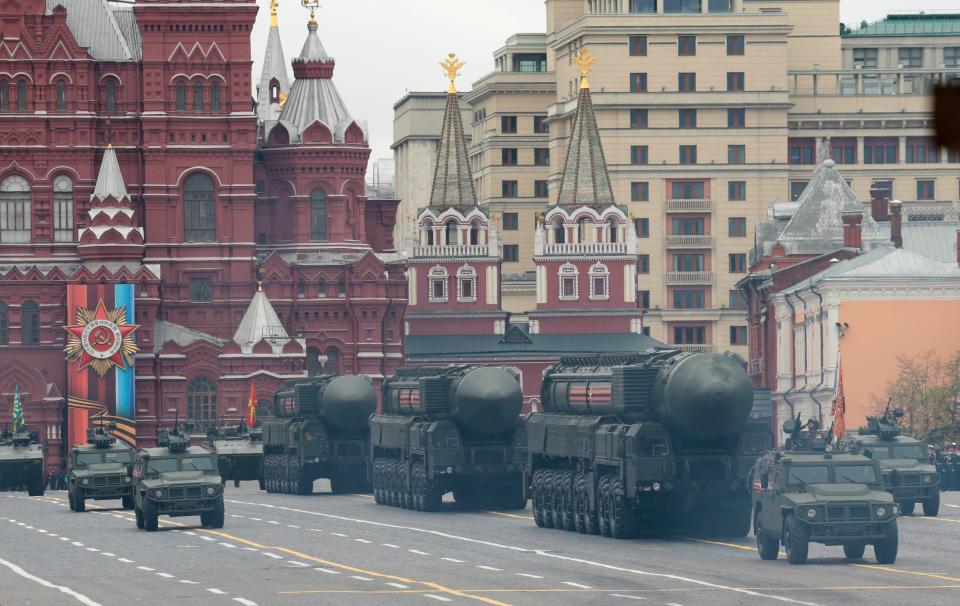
801 475
915 452
92 458
159 466
855 474
809 474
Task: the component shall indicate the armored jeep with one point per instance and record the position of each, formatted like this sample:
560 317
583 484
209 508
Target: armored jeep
100 470
832 498
21 462
907 472
176 479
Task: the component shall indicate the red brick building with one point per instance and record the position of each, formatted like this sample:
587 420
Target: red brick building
131 154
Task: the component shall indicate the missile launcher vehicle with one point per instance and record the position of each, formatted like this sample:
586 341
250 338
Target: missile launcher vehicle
100 470
21 462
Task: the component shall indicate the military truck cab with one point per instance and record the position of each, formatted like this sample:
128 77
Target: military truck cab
816 496
176 479
907 472
100 470
21 462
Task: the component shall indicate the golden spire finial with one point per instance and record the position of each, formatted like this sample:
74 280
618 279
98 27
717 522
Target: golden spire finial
584 60
259 286
313 5
273 13
451 65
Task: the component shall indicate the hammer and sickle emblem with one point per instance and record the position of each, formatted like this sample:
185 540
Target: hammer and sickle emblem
101 337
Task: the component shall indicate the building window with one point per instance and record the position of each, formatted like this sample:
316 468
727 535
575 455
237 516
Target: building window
689 299
926 189
844 150
599 282
951 56
181 97
438 279
642 227
201 402
921 151
686 45
644 299
540 125
737 227
333 364
738 335
687 82
735 82
736 154
688 118
511 221
198 97
511 253
638 118
643 264
4 97
736 191
689 335
865 58
688 262
638 46
341 289
639 154
736 118
802 151
508 125
30 323
530 62
569 282
880 150
318 215
63 209
737 300
15 210
737 263
111 96
476 229
735 45
4 324
451 233
466 285
541 156
508 189
720 6
61 95
688 154
643 6
910 57
508 157
201 290
686 190
198 209
21 95
796 188
215 97
541 189
638 83
639 191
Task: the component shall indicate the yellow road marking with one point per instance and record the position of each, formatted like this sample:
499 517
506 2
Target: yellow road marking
938 519
724 544
635 591
911 572
509 515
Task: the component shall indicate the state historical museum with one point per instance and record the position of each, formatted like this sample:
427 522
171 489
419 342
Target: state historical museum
144 196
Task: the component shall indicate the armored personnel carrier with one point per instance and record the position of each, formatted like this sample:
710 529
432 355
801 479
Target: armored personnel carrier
100 470
320 430
176 479
239 452
449 429
907 472
21 462
810 495
660 438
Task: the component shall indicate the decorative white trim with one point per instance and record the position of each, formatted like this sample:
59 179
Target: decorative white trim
436 274
568 271
599 270
464 275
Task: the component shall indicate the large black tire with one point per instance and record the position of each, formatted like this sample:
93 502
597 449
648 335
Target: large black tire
767 547
591 521
417 479
854 551
139 516
79 501
556 499
214 518
885 550
127 502
304 484
907 507
567 510
151 518
236 482
603 509
36 487
580 504
377 496
261 485
432 495
931 506
536 498
70 500
797 541
623 520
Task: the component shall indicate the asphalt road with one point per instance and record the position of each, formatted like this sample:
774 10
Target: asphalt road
323 549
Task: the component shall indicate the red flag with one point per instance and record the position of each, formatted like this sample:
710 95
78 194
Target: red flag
252 406
839 406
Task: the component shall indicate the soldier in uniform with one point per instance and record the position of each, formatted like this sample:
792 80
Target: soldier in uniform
953 467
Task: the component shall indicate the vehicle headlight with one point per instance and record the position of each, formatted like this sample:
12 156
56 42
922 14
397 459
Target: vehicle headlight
881 512
85 481
211 490
158 493
809 512
930 478
656 486
126 479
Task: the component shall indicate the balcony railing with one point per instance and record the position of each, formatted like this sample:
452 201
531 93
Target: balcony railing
688 278
688 206
453 250
689 241
586 248
930 211
700 347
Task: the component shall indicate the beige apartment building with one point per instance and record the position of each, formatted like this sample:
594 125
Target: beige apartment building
709 111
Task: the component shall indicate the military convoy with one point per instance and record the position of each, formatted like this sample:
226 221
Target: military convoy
239 452
21 462
660 438
320 430
808 494
907 472
176 479
454 429
100 470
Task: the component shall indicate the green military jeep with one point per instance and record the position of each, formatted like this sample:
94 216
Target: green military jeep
177 479
804 496
100 470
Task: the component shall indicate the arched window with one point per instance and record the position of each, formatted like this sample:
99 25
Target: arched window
332 367
198 224
15 212
201 401
582 227
30 323
341 289
111 96
4 323
475 233
466 284
301 288
569 282
274 91
613 229
198 96
63 209
215 97
313 362
428 227
318 215
321 288
21 95
181 97
4 96
451 229
559 231
437 280
599 282
61 95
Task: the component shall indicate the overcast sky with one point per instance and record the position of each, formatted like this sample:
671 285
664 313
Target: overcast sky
385 48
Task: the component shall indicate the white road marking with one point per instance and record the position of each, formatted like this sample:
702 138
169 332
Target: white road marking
64 538
29 527
577 585
327 570
62 589
192 534
208 538
292 526
250 549
272 522
245 602
77 543
256 519
529 576
418 552
272 555
629 597
454 560
186 582
362 541
228 545
439 598
145 568
673 604
94 549
337 534
360 578
390 546
491 568
108 554
954 506
165 575
125 560
233 515
296 563
216 591
399 585
41 530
